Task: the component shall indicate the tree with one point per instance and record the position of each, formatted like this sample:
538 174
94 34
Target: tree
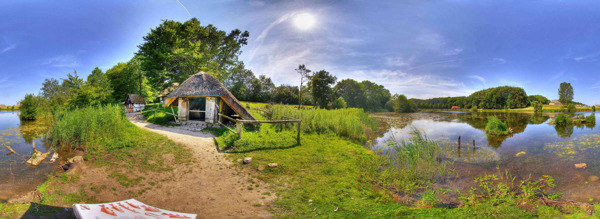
321 90
304 74
238 81
376 96
286 94
594 108
352 92
403 105
537 106
338 103
128 78
29 107
174 51
565 93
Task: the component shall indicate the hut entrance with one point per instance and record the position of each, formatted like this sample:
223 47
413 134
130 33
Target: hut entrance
197 108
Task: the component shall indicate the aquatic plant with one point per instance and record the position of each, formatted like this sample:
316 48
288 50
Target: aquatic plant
561 119
590 119
415 163
496 126
352 123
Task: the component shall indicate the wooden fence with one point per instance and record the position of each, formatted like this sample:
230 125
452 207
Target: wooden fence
240 122
172 113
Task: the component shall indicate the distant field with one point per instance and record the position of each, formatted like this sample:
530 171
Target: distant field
545 108
9 108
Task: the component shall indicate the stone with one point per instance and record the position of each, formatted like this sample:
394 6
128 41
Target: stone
76 159
54 157
261 167
580 165
66 166
593 178
272 165
247 160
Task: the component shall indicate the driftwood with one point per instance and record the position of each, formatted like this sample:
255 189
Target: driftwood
37 157
566 205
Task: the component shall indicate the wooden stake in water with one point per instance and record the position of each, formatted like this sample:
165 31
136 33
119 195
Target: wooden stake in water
473 146
458 142
33 147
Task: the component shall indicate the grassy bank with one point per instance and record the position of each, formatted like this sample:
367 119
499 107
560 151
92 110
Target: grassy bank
127 153
161 117
10 108
330 175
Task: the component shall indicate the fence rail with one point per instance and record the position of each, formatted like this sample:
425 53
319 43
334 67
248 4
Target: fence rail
239 123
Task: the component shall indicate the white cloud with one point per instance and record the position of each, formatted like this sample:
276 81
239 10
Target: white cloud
592 57
479 78
10 47
399 61
453 52
499 61
61 61
431 40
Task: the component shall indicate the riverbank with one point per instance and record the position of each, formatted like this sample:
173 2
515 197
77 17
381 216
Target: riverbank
164 167
331 176
545 109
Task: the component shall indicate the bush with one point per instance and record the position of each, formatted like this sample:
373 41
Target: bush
339 103
591 119
571 108
593 108
561 119
496 126
537 106
29 107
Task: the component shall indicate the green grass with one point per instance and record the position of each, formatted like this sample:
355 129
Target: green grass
161 117
350 123
333 176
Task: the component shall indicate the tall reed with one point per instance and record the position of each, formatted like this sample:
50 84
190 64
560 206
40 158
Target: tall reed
81 127
351 123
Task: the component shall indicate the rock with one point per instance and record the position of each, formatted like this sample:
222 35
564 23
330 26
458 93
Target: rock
54 157
239 160
247 160
76 159
261 167
66 166
272 165
593 178
580 165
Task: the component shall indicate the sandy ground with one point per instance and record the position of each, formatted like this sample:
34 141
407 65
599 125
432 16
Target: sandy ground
211 186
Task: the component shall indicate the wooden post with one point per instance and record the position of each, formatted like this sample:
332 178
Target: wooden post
175 117
473 146
299 130
239 128
459 142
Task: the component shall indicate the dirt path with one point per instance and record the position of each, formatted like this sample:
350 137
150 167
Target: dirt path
214 188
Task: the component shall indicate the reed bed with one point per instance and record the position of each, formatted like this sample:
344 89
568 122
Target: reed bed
81 127
351 123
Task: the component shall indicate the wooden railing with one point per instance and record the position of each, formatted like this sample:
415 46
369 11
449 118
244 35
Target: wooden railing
158 109
240 122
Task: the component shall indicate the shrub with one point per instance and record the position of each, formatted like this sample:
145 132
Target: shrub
561 119
537 106
593 108
339 103
591 119
571 108
474 108
496 126
29 107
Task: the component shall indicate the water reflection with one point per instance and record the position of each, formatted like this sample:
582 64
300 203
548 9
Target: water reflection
16 177
542 148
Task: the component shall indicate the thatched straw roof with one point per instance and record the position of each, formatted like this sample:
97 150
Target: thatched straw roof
134 99
168 90
203 84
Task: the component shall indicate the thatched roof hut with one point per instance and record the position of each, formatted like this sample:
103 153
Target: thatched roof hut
163 95
134 102
218 99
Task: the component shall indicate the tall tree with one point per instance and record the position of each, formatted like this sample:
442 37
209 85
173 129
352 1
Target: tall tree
376 96
321 88
304 74
404 105
565 93
352 92
173 51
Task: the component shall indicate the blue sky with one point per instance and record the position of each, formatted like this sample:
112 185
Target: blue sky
419 48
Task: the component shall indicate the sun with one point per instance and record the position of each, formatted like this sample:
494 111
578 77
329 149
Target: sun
304 21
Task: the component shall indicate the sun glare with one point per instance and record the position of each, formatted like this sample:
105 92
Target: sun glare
304 21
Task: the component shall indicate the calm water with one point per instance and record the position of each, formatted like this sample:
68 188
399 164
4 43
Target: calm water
16 177
549 150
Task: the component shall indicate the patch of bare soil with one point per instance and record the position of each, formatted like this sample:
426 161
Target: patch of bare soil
211 186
